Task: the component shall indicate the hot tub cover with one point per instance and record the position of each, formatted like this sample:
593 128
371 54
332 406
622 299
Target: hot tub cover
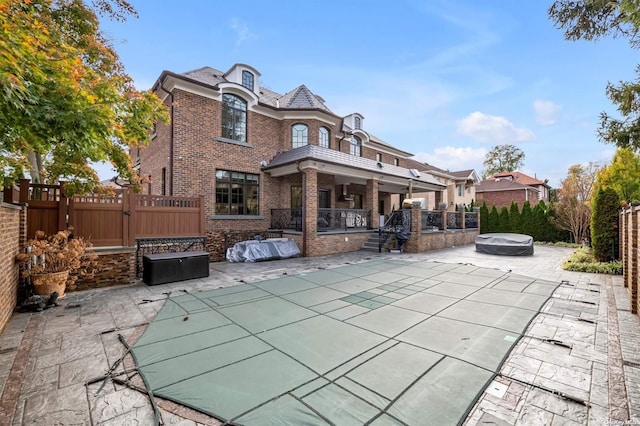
505 244
259 250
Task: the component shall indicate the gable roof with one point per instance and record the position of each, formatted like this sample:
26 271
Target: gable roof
502 185
468 174
518 177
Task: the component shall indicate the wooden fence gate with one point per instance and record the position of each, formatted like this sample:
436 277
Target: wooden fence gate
116 218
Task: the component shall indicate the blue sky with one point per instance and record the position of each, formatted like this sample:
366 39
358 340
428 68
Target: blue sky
445 80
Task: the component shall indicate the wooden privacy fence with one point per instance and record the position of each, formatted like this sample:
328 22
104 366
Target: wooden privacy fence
112 219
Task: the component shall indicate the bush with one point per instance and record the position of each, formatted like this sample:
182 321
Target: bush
604 225
582 260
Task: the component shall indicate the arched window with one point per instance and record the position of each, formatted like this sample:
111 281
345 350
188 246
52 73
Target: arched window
356 146
323 137
299 135
247 80
234 118
357 122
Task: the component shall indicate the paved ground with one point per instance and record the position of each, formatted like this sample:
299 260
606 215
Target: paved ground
578 364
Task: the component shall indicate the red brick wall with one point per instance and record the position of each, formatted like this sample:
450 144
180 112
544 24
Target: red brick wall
10 238
504 198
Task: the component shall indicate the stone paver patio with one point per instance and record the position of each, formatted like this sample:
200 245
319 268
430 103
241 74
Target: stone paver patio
579 362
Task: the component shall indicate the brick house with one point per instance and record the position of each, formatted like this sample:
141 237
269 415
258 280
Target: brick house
503 188
264 160
459 191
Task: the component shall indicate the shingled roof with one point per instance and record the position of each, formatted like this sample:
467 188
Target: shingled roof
501 185
299 98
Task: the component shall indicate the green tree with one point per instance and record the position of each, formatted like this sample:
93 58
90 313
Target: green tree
526 219
604 225
622 175
591 20
494 220
514 218
65 99
502 158
503 220
484 218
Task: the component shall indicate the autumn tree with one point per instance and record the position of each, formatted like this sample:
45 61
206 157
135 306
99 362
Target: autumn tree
502 158
622 175
591 20
573 210
65 99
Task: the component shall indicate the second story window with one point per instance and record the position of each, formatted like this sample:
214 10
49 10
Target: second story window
356 146
357 122
234 118
323 137
396 162
299 135
247 80
460 190
378 157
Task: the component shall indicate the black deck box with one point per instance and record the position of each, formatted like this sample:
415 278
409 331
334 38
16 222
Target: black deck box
164 268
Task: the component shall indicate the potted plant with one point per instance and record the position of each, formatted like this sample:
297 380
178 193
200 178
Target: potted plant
54 262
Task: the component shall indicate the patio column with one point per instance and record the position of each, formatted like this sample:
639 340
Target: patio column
371 202
309 210
415 244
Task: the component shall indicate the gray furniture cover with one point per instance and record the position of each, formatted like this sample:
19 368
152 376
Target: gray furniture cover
259 250
505 244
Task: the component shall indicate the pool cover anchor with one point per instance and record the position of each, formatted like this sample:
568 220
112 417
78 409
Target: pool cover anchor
549 390
114 378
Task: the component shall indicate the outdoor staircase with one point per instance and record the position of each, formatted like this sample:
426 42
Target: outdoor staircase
372 243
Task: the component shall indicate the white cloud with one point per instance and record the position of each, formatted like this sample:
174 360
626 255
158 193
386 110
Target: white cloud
454 158
492 128
242 31
546 112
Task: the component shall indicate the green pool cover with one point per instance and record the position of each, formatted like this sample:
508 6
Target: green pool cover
381 343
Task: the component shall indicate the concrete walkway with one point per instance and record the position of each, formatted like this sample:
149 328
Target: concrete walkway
579 362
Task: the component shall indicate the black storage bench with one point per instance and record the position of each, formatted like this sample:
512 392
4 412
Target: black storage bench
164 268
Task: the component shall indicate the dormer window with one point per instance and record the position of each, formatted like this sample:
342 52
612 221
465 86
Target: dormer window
356 146
247 80
356 122
299 135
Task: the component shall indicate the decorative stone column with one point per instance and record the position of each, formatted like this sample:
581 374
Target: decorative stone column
371 202
414 245
309 210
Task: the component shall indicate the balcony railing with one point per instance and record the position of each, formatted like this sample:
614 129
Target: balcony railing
471 220
432 220
327 220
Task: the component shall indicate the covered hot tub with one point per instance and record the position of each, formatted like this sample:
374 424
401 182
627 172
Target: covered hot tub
505 244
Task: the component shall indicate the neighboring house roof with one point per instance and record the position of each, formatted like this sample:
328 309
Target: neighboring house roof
313 152
467 175
519 177
501 185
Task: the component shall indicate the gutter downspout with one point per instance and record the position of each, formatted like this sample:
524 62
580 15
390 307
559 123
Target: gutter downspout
170 140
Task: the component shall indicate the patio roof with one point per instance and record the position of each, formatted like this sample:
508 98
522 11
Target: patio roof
350 169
